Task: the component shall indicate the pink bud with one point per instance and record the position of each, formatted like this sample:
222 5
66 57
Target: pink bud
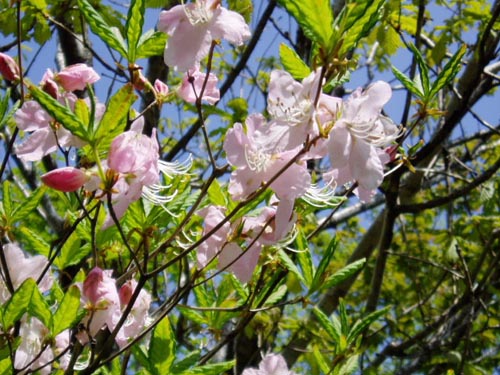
161 88
76 77
65 179
9 68
126 293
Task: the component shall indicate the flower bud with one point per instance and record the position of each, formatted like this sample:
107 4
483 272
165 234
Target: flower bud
161 88
65 179
76 77
9 68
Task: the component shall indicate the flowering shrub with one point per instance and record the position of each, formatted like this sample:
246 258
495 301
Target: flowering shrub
127 245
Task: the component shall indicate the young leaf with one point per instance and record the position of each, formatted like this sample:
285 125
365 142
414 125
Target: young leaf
449 72
21 211
350 366
39 308
110 35
319 276
216 196
304 259
362 324
67 311
133 27
288 263
114 119
333 330
424 70
161 351
292 63
344 273
211 369
151 44
18 303
408 83
71 253
357 21
315 17
60 113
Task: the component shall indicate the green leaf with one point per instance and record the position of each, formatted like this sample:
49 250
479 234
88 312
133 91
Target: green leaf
114 119
344 273
211 369
315 18
6 366
357 20
292 63
362 324
151 43
333 330
449 72
215 195
110 35
133 27
161 351
243 7
187 362
140 355
32 202
304 259
71 252
7 199
60 113
18 303
67 311
276 296
288 263
424 70
350 366
82 111
39 308
408 83
319 276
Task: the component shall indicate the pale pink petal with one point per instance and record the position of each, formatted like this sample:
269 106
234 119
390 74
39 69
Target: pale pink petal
230 26
365 165
38 144
241 263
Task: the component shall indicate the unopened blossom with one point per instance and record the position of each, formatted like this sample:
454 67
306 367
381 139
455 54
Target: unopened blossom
21 266
161 90
192 86
66 179
49 85
101 300
356 142
138 317
271 364
77 77
9 68
192 28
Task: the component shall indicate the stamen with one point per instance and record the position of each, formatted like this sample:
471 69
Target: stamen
197 13
257 160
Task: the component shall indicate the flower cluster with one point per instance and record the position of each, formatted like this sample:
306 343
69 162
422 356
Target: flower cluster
104 304
271 364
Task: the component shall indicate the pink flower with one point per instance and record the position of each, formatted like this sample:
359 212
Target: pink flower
256 161
33 335
357 140
135 155
65 179
209 248
47 135
193 27
138 317
271 364
76 77
9 68
21 267
192 84
161 89
100 297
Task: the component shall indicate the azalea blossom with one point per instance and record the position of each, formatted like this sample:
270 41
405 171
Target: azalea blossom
192 28
100 298
138 317
65 179
21 267
192 84
9 68
271 364
356 142
76 77
256 231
